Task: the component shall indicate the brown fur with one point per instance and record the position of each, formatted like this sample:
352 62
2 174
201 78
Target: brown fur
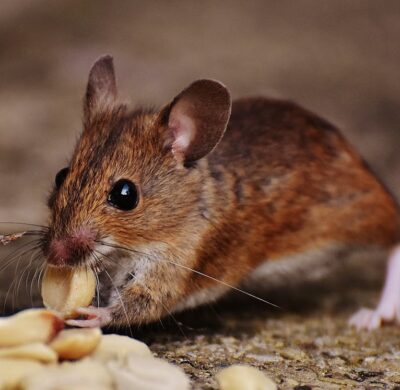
282 181
287 182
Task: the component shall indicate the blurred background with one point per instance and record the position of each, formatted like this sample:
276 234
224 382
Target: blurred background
340 59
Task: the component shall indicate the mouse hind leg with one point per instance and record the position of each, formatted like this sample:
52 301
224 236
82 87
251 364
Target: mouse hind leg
388 309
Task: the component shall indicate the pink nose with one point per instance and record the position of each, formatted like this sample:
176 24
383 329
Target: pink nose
72 249
58 252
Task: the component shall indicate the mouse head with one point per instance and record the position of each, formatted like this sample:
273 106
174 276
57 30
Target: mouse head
133 178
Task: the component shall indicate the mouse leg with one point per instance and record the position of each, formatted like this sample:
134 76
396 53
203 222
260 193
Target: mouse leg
134 304
388 309
95 317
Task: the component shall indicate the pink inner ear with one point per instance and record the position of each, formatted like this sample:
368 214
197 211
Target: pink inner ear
183 129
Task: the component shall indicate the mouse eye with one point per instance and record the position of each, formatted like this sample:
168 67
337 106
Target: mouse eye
124 195
60 177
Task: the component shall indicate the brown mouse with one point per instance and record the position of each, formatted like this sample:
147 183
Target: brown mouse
171 207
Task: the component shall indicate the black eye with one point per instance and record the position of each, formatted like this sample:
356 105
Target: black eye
123 195
60 177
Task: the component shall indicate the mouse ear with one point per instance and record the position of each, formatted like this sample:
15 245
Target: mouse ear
101 88
197 119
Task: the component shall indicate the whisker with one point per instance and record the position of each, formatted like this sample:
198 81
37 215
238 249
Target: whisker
6 297
158 300
11 257
33 281
34 233
26 233
24 223
14 287
121 301
21 277
169 313
122 248
9 238
118 293
97 282
15 282
224 283
40 275
36 258
201 274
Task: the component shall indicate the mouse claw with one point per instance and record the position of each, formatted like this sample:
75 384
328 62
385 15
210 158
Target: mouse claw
96 317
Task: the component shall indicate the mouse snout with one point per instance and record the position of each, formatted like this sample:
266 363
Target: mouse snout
70 250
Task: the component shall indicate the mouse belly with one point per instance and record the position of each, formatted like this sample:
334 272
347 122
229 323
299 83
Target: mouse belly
309 266
315 265
202 297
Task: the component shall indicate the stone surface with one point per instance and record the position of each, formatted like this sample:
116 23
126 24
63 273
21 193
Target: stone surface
295 348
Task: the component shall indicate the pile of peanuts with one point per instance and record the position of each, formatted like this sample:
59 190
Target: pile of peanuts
38 353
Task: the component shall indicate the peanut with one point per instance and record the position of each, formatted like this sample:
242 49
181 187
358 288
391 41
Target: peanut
29 326
66 289
238 377
73 344
85 374
34 351
147 373
12 371
115 347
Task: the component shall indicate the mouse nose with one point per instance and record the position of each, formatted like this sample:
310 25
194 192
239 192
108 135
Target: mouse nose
72 249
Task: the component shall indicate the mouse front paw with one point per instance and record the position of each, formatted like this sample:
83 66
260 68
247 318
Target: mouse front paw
95 317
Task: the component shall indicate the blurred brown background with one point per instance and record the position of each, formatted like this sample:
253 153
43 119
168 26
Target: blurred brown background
338 58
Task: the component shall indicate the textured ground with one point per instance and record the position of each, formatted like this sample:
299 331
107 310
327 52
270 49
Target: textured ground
312 347
318 352
338 58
